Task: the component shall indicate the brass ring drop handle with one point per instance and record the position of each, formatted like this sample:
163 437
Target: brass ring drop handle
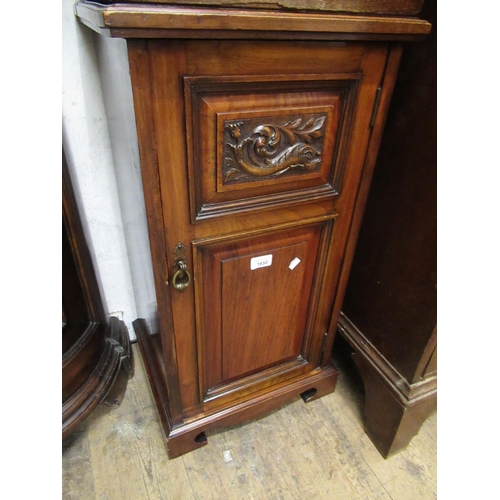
181 278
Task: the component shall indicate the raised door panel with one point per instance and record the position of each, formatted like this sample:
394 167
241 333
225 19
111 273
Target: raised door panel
263 322
257 307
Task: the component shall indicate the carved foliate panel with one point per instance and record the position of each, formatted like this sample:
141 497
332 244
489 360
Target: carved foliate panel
259 142
270 147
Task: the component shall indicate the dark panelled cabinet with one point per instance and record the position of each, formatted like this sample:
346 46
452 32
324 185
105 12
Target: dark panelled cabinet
389 311
258 131
96 356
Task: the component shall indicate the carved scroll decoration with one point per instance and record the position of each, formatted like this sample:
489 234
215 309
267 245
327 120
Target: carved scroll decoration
269 150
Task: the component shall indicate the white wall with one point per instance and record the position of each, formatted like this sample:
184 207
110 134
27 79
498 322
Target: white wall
101 146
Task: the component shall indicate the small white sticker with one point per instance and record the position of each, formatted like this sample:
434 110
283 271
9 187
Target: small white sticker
295 262
226 456
258 262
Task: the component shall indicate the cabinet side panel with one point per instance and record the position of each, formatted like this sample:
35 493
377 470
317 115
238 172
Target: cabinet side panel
139 61
386 84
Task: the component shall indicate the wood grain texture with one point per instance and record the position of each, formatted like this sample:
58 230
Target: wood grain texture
393 7
261 317
317 450
143 17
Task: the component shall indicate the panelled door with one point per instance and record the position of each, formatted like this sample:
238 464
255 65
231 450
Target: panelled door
260 147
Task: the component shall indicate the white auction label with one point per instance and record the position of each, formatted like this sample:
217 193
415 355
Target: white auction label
258 262
295 262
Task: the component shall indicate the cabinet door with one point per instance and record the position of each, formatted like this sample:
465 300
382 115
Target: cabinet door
257 299
259 149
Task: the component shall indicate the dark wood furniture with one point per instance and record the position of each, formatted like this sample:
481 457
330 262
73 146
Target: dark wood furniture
96 356
258 132
389 312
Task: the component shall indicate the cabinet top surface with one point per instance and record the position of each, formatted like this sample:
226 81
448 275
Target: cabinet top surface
326 20
379 7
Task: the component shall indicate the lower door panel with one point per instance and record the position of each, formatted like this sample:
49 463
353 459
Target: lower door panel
256 308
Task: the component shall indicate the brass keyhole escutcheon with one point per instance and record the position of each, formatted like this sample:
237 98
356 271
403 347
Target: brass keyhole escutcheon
181 278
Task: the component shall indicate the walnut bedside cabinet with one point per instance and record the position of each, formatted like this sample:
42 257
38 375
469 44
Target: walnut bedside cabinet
258 132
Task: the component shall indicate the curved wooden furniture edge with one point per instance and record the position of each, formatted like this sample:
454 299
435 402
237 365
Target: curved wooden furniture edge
188 22
117 355
88 331
83 356
189 435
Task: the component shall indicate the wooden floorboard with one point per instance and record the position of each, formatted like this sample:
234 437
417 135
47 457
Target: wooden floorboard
315 450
